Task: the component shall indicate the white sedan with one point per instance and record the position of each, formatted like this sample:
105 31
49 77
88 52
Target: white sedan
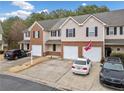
81 66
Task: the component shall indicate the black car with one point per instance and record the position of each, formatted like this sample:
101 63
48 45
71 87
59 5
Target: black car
15 54
112 73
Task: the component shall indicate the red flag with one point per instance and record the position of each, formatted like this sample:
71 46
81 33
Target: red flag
89 46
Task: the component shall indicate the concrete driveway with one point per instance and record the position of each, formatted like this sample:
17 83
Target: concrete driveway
6 64
58 73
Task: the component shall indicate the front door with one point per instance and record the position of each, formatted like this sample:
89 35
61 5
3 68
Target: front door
108 51
54 47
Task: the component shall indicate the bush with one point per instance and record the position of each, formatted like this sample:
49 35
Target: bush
1 51
120 55
102 60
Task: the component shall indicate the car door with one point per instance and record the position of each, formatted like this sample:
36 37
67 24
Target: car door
23 53
18 53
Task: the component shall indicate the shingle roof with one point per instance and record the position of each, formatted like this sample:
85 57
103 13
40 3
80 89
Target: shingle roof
1 30
113 18
114 42
26 30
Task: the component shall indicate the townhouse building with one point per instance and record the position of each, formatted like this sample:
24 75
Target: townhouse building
67 37
25 43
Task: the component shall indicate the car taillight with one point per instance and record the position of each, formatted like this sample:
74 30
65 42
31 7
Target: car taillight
73 67
84 68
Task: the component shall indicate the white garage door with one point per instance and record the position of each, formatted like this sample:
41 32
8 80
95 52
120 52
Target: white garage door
70 52
94 54
36 50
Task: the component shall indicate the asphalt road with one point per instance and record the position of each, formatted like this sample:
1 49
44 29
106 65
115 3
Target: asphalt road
6 64
10 83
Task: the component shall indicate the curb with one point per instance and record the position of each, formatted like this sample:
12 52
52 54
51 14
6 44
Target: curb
35 80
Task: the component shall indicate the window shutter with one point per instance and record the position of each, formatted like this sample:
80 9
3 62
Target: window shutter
87 31
115 30
107 29
66 32
58 33
55 33
51 33
38 34
121 30
33 34
73 32
96 31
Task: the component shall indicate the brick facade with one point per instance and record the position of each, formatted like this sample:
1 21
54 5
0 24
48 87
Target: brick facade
36 41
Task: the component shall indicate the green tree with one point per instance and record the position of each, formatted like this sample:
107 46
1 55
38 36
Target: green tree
60 13
13 28
35 17
91 9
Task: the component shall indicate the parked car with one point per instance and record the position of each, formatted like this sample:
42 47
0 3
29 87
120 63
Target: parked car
112 73
81 66
15 54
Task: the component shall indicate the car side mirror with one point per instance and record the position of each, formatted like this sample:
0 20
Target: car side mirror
101 65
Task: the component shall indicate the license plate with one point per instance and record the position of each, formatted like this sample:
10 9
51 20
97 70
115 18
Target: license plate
78 68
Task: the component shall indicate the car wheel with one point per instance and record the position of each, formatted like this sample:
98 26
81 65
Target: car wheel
16 57
88 73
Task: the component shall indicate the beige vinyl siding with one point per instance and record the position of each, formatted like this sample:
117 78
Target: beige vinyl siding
80 31
118 36
114 49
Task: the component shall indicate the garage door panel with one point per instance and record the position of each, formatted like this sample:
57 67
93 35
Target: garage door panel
94 54
36 50
70 52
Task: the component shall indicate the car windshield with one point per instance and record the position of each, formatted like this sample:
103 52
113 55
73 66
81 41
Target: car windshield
80 62
118 67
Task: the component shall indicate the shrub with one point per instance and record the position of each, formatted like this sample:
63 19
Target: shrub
120 55
1 51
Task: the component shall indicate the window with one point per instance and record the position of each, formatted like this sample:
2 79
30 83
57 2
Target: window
112 31
70 32
54 47
53 33
121 30
27 34
92 31
118 49
36 34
